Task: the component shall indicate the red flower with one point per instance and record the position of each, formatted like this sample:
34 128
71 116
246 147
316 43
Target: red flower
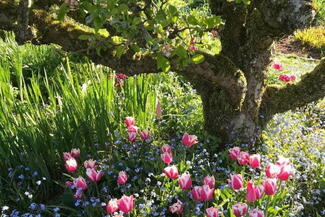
121 76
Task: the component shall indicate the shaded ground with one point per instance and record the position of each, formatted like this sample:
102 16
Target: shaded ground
287 45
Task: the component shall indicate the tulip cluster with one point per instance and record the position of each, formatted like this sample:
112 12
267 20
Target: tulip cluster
243 158
282 170
133 130
80 183
124 204
287 78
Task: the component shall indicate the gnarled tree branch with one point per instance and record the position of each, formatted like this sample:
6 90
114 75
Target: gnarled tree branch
280 99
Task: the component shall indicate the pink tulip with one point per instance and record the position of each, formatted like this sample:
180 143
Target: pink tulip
71 165
256 213
239 209
277 66
270 186
212 212
145 135
197 193
243 158
177 208
234 152
66 156
121 76
254 161
125 204
112 206
285 78
272 170
166 148
189 140
192 48
282 161
185 181
171 172
259 191
122 178
78 195
210 181
167 157
132 136
292 77
129 121
286 172
251 192
236 181
93 175
80 183
133 129
75 152
91 164
206 193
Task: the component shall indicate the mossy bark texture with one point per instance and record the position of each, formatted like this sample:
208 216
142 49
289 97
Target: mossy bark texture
237 103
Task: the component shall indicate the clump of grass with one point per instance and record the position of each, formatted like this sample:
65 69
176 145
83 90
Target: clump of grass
319 6
313 37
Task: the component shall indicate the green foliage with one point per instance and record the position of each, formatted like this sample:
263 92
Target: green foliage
150 26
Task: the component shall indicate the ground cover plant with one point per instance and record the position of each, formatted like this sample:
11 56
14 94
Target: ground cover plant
74 133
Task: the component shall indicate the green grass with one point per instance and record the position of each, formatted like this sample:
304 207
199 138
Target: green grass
313 37
319 6
41 116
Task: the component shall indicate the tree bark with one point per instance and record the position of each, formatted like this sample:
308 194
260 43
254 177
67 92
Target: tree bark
237 103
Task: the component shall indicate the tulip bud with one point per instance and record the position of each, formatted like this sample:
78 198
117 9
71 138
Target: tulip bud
236 181
234 152
210 181
112 206
243 158
91 164
93 175
270 186
286 172
66 156
277 66
206 193
125 204
239 209
129 121
256 213
189 140
75 152
132 136
167 157
145 135
122 178
171 172
177 208
251 192
166 148
254 161
212 212
197 193
272 170
80 183
185 181
132 129
71 165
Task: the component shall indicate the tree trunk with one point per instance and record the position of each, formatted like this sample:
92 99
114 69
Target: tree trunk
226 120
